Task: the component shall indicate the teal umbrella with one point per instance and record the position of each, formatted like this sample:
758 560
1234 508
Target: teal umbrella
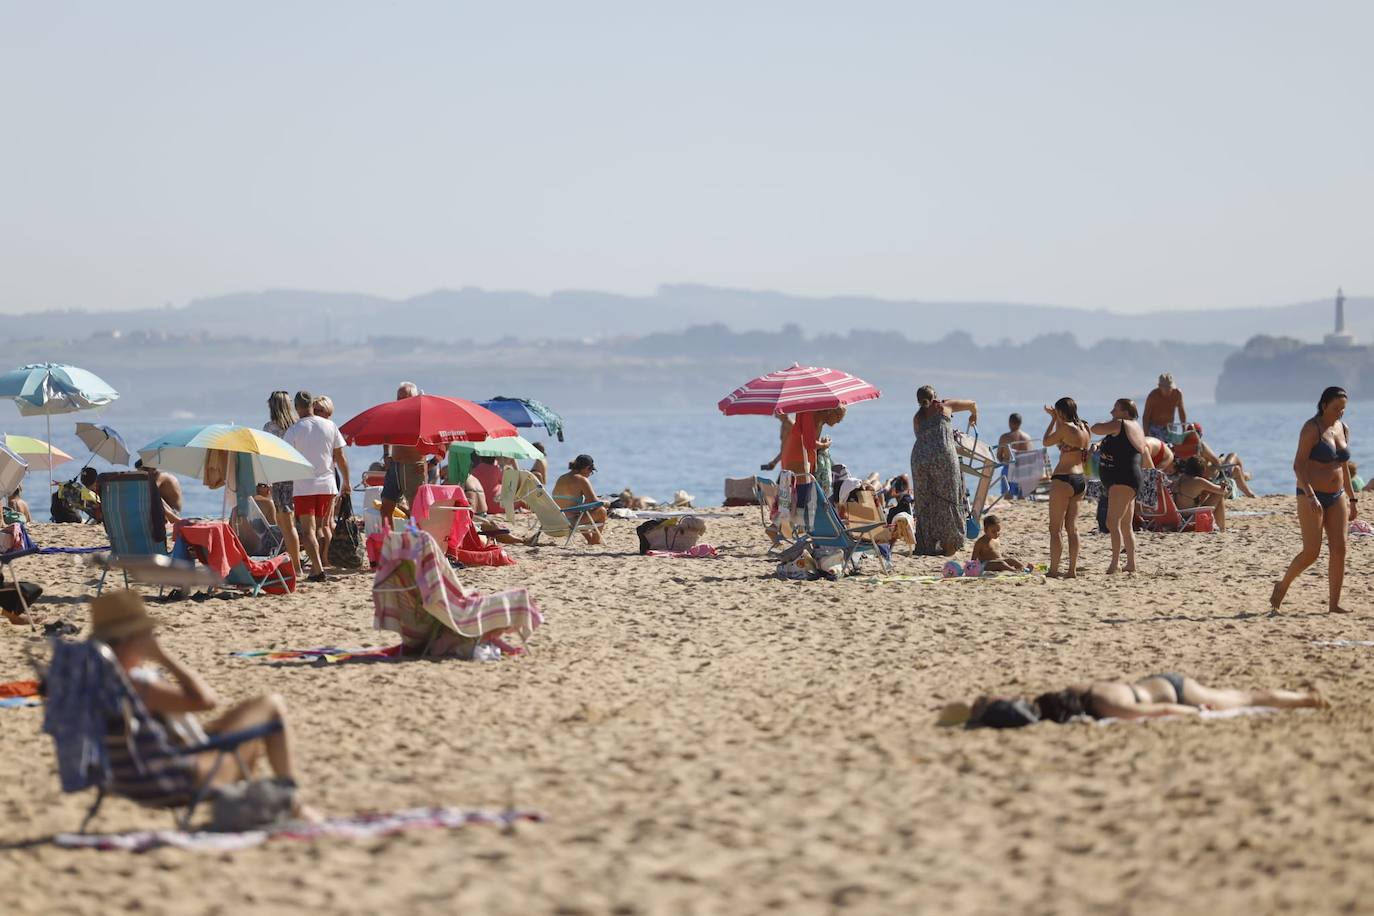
49 388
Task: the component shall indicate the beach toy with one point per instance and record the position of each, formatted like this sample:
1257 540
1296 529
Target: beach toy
973 568
953 569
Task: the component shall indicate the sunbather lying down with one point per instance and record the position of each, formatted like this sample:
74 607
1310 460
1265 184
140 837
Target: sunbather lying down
1167 694
121 621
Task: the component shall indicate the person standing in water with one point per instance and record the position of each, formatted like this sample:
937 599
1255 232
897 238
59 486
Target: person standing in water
1326 499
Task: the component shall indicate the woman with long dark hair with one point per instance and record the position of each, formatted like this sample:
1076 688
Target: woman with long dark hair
1068 484
1119 468
1326 500
280 416
936 482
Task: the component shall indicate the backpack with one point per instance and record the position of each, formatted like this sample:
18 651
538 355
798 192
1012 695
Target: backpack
348 549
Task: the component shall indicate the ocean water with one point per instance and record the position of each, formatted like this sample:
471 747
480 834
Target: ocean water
657 452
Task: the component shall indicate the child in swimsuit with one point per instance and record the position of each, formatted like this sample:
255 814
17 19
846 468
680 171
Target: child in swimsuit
987 550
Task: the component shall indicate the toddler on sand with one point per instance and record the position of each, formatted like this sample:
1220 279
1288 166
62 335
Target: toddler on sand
987 551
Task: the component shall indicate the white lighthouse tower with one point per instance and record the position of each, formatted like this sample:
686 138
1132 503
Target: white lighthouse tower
1341 338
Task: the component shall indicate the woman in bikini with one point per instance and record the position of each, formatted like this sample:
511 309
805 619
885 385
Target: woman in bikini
1195 490
1166 694
1071 434
1326 500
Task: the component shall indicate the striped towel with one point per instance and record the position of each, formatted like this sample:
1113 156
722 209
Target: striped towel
417 594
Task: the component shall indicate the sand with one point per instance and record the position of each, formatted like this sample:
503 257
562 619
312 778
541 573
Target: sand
705 738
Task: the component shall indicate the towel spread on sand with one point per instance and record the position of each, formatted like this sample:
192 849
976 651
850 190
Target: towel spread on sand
695 552
1208 714
1343 643
325 653
19 689
931 580
356 827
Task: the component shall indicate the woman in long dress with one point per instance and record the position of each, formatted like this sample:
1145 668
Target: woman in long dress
941 501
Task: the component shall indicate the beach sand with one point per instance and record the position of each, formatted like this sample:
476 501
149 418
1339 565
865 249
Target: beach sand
706 738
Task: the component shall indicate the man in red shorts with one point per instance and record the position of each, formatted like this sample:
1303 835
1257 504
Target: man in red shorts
322 445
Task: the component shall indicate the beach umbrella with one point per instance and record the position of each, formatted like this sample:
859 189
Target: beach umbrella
103 442
36 452
517 447
796 389
12 470
49 388
184 452
426 421
524 413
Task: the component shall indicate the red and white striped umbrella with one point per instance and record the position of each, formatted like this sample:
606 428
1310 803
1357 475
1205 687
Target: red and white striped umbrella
799 388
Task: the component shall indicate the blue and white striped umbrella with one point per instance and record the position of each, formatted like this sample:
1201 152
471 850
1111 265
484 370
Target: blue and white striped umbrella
50 388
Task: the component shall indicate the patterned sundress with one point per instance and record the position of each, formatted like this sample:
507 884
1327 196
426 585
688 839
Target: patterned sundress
937 486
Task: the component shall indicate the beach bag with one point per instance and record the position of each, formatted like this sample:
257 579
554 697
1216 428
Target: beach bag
670 533
252 805
348 550
62 512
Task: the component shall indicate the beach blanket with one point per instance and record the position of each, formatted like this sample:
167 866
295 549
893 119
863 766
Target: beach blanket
19 689
324 653
1362 527
695 552
355 827
417 594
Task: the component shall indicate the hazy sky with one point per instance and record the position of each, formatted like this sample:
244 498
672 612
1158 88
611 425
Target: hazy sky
1127 156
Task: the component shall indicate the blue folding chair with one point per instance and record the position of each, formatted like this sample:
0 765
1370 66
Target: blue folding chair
828 532
133 517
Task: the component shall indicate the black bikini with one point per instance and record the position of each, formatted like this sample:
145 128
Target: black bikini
1077 481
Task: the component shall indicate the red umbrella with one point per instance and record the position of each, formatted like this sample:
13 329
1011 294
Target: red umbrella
426 421
796 389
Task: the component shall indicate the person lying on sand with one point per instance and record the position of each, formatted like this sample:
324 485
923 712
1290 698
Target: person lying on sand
1166 694
988 551
121 621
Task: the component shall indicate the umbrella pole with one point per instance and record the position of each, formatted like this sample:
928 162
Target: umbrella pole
48 417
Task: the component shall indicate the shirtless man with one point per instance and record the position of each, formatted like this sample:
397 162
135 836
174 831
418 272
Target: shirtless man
577 489
1014 439
1160 406
169 488
405 466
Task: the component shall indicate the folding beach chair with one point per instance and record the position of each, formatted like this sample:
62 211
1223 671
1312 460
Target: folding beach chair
106 738
18 545
134 519
552 519
1165 515
828 532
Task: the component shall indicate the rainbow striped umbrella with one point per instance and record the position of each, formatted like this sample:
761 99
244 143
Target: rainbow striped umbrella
184 451
799 388
38 454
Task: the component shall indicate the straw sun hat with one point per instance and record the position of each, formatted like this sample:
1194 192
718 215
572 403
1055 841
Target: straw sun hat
119 614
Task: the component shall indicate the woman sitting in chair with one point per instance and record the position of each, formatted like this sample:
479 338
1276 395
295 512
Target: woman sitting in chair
1195 490
120 620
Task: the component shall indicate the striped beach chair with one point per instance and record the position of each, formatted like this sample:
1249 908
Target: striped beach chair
133 517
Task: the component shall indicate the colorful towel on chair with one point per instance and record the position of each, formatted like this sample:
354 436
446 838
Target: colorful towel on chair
417 594
220 549
324 653
695 552
356 827
456 534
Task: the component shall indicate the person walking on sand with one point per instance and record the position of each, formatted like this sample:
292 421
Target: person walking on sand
1326 499
1160 406
322 445
281 417
1068 484
936 482
1119 468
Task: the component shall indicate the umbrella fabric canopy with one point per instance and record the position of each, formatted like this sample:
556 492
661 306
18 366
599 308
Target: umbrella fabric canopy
103 442
426 421
12 470
526 412
517 447
799 388
49 388
184 452
36 452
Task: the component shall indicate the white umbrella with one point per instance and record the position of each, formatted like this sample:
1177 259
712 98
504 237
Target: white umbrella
49 388
12 470
103 442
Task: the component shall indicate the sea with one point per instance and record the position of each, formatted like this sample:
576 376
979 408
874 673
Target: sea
659 452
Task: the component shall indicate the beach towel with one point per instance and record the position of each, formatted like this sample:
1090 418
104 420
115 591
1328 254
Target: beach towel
417 594
695 552
325 654
354 827
1361 528
1209 715
19 689
17 702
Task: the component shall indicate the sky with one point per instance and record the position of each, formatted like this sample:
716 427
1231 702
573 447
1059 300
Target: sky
1101 155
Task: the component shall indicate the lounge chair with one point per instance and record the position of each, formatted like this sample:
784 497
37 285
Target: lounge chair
442 510
828 532
417 594
133 516
106 738
1165 515
552 519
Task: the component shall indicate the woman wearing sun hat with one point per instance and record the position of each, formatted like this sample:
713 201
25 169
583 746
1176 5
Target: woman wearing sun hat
120 620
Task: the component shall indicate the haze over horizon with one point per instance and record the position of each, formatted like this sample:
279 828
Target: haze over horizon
1129 159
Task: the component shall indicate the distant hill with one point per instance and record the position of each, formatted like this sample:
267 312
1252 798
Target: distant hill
490 315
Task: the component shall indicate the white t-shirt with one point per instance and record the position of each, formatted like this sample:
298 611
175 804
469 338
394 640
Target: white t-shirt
316 438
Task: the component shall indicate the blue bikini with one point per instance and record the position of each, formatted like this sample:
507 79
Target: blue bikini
1326 453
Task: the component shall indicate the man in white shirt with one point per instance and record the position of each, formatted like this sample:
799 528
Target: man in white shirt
322 445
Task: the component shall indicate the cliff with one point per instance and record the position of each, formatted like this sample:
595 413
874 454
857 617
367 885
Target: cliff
1286 369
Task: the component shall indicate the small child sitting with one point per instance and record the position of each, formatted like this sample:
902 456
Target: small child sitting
988 552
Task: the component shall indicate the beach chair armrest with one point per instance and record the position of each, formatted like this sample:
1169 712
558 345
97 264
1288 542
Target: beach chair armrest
584 507
864 529
230 740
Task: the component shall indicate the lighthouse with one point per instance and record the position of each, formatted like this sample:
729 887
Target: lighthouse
1341 338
